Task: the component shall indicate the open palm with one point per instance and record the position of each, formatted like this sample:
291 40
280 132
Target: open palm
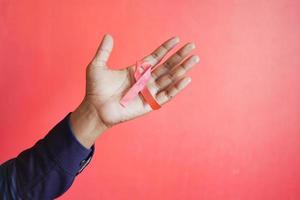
105 87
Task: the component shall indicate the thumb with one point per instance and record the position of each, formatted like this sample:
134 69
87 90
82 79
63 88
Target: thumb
103 51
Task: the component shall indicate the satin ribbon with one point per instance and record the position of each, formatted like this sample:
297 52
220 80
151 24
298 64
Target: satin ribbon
142 76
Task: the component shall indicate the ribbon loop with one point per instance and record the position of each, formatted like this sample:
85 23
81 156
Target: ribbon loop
142 76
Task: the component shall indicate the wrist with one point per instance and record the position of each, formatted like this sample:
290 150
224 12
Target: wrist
86 125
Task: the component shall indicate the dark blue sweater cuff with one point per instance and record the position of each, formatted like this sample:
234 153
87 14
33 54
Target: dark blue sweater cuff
66 150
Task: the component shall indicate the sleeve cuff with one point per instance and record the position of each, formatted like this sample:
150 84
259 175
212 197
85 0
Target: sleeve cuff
66 150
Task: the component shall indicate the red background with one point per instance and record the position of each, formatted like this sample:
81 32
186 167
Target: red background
233 134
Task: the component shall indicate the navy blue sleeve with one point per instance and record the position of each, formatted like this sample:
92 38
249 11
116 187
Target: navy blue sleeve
46 170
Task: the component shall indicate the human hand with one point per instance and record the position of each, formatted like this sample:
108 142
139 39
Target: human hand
105 87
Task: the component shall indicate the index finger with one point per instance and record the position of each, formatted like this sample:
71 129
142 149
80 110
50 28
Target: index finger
158 54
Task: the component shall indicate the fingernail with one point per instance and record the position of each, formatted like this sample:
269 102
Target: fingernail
193 45
186 81
176 38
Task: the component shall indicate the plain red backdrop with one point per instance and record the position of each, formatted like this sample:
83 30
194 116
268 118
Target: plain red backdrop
234 134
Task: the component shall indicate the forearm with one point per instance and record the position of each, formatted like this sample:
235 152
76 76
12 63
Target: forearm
47 169
86 124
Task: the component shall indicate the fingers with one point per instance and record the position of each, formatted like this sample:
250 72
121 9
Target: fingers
176 73
170 77
174 60
157 55
103 52
166 95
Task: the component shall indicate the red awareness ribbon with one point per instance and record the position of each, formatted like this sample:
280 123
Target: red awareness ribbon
142 76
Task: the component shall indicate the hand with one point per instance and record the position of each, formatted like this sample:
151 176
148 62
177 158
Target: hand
105 87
